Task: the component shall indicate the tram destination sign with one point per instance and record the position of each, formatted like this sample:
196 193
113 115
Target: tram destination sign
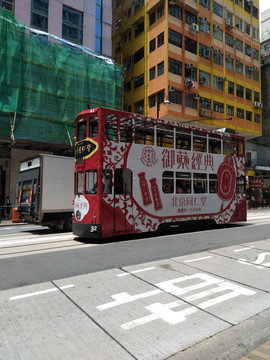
84 149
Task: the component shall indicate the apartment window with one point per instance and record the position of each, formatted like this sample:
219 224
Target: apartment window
229 63
248 50
139 107
190 45
217 9
248 94
256 96
229 40
175 11
160 68
39 14
205 27
205 4
249 115
139 28
175 97
205 103
239 91
230 110
248 72
152 18
238 23
152 45
139 81
247 6
218 59
218 83
98 25
218 34
257 118
175 38
7 5
218 107
190 72
72 27
160 39
204 78
240 113
255 12
228 16
255 33
230 87
190 101
239 68
239 45
239 3
255 54
127 86
175 67
152 101
139 55
152 73
190 18
247 28
204 52
256 75
160 11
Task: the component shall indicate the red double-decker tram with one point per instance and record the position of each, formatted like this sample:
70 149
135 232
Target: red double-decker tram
139 174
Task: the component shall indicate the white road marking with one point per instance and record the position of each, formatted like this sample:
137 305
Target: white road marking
198 259
4 243
243 249
136 271
40 292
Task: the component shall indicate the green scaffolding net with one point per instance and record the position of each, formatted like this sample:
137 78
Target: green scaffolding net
44 85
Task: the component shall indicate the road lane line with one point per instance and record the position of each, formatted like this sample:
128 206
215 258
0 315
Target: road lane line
198 259
39 292
136 271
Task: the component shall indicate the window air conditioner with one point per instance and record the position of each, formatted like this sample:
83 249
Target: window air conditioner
195 27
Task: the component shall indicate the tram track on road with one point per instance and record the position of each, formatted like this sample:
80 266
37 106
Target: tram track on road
27 244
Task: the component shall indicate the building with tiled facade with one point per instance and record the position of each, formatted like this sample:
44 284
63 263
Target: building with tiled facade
202 57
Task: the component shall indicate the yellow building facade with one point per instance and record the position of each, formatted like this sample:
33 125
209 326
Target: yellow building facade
189 60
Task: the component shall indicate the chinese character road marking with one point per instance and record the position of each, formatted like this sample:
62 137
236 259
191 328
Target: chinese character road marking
166 313
259 260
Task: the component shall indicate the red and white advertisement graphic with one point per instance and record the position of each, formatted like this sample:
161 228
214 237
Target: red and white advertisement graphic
226 179
156 195
81 207
256 183
146 197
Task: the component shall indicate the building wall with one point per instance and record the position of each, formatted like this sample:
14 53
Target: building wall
23 16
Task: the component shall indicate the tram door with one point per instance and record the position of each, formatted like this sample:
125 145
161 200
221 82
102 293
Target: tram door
123 208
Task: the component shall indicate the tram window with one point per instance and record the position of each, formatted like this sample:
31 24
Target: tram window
213 183
199 141
93 126
82 129
228 147
240 185
91 182
200 183
110 127
107 181
144 132
239 147
122 181
183 182
126 129
79 183
168 182
214 144
165 136
182 139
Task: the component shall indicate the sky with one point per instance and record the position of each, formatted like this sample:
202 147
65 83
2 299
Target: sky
264 5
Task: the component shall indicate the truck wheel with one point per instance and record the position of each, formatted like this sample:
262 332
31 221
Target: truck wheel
68 223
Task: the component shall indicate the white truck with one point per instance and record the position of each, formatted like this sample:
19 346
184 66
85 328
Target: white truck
46 191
